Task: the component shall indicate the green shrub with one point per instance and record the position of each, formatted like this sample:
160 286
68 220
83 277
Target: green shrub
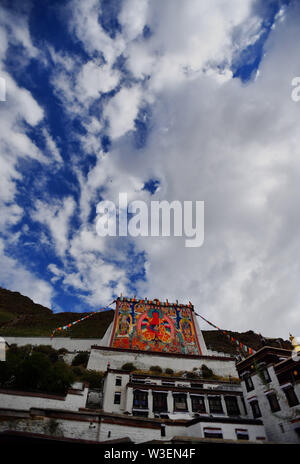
48 351
93 378
157 369
191 375
81 359
206 371
62 351
31 370
169 371
77 370
128 367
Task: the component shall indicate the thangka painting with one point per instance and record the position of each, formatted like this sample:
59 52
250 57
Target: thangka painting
140 325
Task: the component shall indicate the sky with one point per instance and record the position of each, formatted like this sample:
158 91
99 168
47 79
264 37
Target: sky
173 100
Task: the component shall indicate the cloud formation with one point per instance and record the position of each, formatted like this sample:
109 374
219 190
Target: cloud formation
154 91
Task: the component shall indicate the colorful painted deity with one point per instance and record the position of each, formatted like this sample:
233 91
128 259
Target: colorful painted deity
154 327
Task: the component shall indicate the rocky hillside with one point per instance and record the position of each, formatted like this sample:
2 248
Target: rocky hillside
217 341
20 316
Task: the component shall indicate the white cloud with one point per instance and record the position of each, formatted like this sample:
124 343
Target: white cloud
16 277
122 110
56 216
84 23
94 79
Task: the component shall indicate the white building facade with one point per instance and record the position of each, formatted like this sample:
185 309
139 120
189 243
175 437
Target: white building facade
271 388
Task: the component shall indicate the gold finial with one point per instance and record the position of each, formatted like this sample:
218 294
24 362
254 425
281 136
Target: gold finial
295 343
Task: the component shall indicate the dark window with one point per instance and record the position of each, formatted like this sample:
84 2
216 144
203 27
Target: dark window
213 433
297 430
291 396
249 383
255 409
232 406
180 403
244 405
117 399
118 381
215 404
266 375
242 434
140 399
163 430
198 404
274 405
160 403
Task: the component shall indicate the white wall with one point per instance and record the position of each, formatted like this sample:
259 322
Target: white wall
136 434
274 421
100 358
71 344
71 402
109 390
228 430
65 428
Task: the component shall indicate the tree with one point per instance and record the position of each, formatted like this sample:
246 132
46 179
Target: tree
81 359
128 367
32 370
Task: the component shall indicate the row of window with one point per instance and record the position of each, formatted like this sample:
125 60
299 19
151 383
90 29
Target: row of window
210 432
160 402
274 403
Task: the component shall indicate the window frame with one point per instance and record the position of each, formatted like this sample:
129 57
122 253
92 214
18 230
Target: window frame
290 390
248 382
256 415
212 434
200 399
274 405
160 401
213 410
235 411
266 375
175 400
140 400
242 435
117 395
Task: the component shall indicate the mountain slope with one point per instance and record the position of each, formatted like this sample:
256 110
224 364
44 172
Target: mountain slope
20 316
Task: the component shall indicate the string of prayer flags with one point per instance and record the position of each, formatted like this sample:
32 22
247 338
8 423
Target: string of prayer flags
64 327
244 347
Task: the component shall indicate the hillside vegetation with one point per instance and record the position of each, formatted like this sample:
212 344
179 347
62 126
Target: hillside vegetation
20 316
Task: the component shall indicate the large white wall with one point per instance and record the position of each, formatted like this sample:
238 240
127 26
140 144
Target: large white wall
76 429
228 430
100 358
136 434
21 401
71 344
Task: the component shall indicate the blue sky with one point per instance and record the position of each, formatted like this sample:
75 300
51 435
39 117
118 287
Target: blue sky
111 96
